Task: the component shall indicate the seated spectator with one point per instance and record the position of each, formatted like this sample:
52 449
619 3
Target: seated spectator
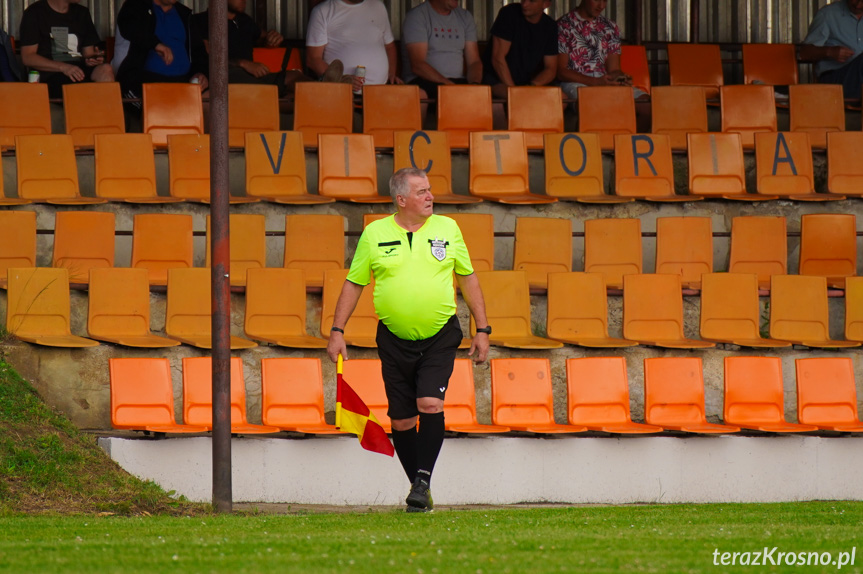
589 49
440 46
10 70
523 50
58 39
159 38
835 44
356 33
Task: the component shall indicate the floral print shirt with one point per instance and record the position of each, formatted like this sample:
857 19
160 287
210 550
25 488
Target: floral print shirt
587 42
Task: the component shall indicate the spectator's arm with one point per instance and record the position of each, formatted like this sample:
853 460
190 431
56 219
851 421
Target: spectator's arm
31 59
548 73
417 53
564 74
315 59
271 38
810 53
499 50
392 63
472 63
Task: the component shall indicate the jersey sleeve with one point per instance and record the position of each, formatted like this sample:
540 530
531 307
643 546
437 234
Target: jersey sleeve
317 33
463 265
819 31
469 27
361 267
28 33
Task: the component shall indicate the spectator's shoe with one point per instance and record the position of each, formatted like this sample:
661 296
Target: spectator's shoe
334 72
420 499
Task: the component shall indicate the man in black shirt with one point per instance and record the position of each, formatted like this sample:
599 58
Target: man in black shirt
523 48
58 39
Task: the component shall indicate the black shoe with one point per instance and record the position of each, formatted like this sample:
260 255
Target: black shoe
420 496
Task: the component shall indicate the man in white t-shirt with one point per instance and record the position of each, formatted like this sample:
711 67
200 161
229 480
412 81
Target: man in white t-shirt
356 32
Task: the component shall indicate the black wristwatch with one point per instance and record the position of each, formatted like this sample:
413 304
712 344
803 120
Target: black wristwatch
486 330
337 330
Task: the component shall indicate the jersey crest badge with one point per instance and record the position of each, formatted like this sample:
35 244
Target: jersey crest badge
438 248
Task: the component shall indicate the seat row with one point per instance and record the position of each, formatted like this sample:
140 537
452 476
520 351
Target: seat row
614 247
292 396
38 310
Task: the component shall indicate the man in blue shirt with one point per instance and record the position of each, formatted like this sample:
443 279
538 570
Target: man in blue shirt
835 42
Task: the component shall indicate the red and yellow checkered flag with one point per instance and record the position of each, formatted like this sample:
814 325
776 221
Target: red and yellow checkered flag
353 416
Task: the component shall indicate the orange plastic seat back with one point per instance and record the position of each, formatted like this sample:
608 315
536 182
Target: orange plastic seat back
597 390
347 167
46 167
498 164
24 110
275 164
428 151
673 391
826 391
119 303
93 108
125 167
388 109
684 246
248 245
477 230
273 58
198 391
188 312
322 108
38 303
460 402
327 251
729 307
747 110
783 163
759 245
828 244
573 165
189 166
606 111
844 171
83 240
369 218
716 164
161 241
521 391
275 303
292 391
462 109
771 64
854 308
507 300
17 241
613 247
753 391
252 108
677 111
642 166
535 110
142 393
696 65
817 109
364 376
364 320
583 315
633 62
543 245
652 308
798 308
172 109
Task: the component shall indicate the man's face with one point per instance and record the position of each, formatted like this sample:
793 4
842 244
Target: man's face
592 8
236 6
448 5
419 200
856 7
532 9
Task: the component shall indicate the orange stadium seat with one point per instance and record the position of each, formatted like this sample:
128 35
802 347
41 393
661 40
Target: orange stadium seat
189 169
783 164
771 64
696 65
119 308
83 240
477 230
827 394
844 170
798 312
322 108
653 312
364 376
429 151
372 217
126 169
674 396
24 110
4 199
48 171
828 246
274 58
361 329
613 247
347 170
276 309
17 242
276 169
730 312
142 396
607 111
543 245
643 168
498 168
521 396
198 396
161 241
252 108
93 108
633 62
580 319
597 390
536 111
817 109
573 169
462 109
172 109
677 111
460 403
388 109
759 245
854 308
747 110
716 166
684 246
248 245
314 258
754 397
38 307
292 395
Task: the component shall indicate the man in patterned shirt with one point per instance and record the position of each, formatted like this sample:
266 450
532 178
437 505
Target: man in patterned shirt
588 49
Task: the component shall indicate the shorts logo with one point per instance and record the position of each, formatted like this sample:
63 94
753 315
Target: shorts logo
438 248
442 389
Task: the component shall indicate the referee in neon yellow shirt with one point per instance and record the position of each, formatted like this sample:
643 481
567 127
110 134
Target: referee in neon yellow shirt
412 256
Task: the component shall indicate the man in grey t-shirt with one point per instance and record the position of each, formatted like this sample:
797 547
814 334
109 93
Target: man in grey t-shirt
441 46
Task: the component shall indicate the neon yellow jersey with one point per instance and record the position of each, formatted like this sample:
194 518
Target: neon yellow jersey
414 294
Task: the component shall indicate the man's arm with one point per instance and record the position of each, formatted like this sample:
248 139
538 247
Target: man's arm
271 38
315 59
810 53
472 63
499 50
548 73
564 74
417 53
392 63
31 59
472 294
345 306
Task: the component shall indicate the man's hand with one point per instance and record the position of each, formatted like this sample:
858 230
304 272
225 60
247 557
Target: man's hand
165 53
840 53
256 69
357 83
73 72
479 345
393 79
337 347
201 81
273 39
97 58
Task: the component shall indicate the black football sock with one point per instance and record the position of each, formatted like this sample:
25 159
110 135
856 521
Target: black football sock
429 443
405 443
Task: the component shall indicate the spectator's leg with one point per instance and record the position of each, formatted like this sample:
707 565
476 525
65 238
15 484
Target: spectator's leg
102 73
850 76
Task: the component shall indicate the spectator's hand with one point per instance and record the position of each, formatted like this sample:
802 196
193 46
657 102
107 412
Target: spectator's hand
202 81
619 78
393 79
274 39
97 59
337 346
73 72
479 345
165 53
840 53
357 83
256 69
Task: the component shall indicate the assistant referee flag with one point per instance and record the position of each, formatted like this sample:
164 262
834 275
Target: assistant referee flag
353 416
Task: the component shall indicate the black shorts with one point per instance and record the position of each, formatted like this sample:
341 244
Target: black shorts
416 369
56 80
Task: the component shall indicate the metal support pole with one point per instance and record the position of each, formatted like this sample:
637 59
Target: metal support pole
221 255
694 10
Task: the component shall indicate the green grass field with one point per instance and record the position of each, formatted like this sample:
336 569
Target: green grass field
663 539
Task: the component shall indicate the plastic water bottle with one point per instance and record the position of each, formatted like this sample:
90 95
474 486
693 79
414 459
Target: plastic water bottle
33 77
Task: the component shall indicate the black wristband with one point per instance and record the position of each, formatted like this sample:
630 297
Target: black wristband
338 330
486 330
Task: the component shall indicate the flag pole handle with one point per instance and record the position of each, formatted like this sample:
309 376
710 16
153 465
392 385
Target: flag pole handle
339 364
